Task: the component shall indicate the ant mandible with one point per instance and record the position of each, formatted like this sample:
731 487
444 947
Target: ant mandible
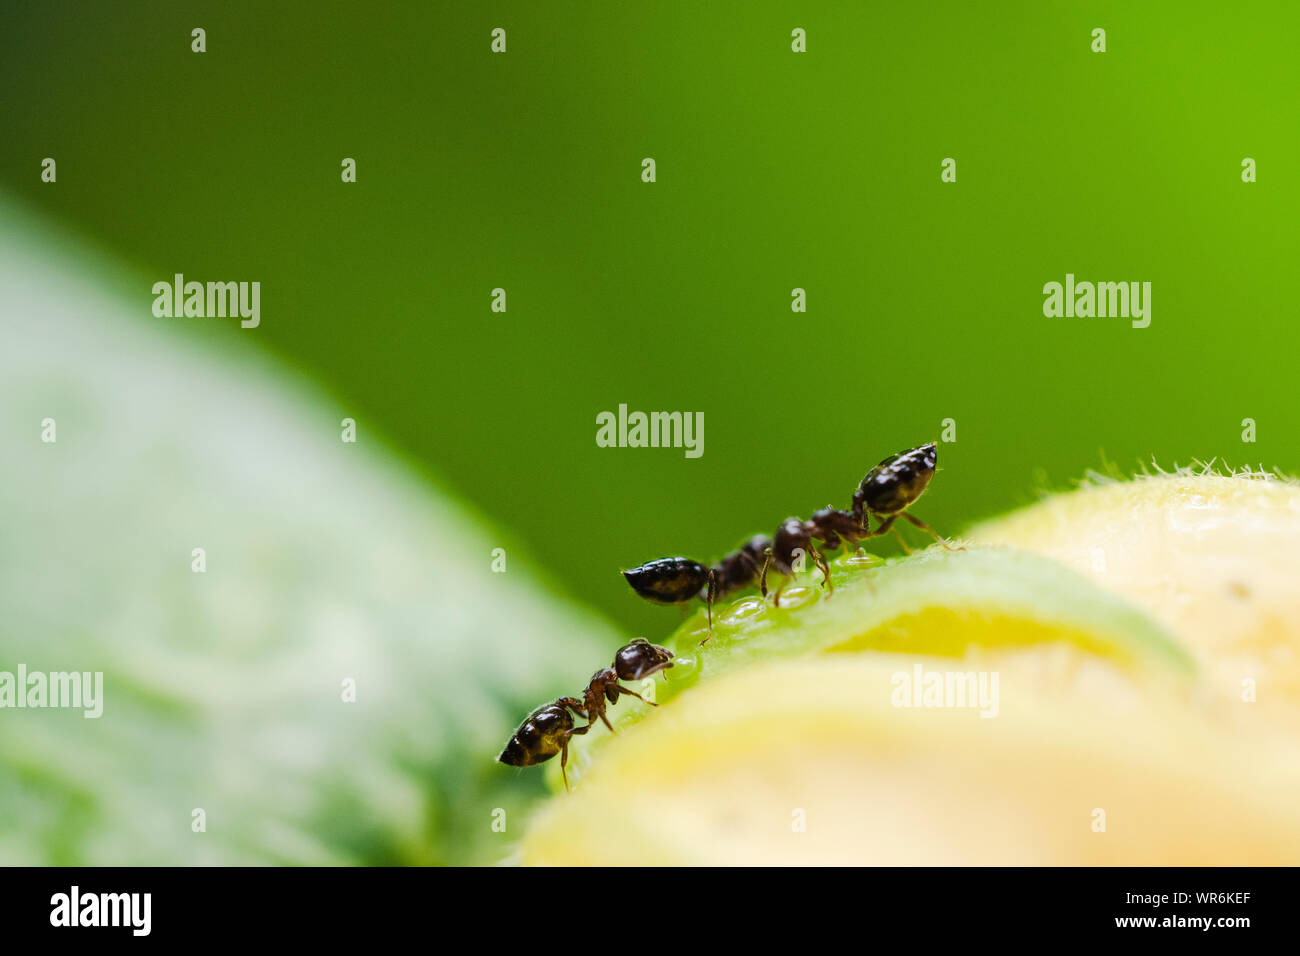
547 730
677 580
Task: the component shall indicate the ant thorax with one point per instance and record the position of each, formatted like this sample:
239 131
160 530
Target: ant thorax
829 525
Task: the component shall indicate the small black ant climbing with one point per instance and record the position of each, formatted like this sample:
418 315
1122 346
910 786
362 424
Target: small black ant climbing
831 526
887 491
892 487
547 730
677 580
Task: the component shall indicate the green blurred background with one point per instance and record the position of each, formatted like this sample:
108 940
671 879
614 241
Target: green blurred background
775 170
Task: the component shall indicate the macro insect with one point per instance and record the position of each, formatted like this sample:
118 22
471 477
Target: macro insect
887 491
893 486
833 527
547 730
677 580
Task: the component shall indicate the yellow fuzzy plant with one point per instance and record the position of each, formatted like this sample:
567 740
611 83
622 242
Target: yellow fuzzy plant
1141 639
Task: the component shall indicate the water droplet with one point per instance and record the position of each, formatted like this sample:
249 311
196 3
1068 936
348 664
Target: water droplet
742 611
797 597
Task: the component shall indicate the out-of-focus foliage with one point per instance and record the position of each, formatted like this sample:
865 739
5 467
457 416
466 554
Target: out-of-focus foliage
776 170
223 690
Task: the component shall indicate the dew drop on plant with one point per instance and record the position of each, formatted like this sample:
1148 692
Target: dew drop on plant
863 560
743 611
797 597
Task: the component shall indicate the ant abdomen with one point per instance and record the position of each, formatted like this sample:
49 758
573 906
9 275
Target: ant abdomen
892 487
543 734
547 730
677 580
669 580
895 483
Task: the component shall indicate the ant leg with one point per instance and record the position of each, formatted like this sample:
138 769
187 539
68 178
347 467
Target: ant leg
564 750
624 690
762 577
564 761
785 583
930 531
820 560
708 601
605 720
885 525
574 705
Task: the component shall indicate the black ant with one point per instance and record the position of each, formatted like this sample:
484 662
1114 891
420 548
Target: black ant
547 730
677 580
831 526
887 491
892 487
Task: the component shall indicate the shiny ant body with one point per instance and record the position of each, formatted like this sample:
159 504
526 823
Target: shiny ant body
547 730
887 491
893 486
677 580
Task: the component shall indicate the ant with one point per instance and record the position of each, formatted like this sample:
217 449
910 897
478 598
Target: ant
547 730
677 580
892 487
887 491
831 526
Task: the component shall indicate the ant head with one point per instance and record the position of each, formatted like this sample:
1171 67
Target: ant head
641 659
